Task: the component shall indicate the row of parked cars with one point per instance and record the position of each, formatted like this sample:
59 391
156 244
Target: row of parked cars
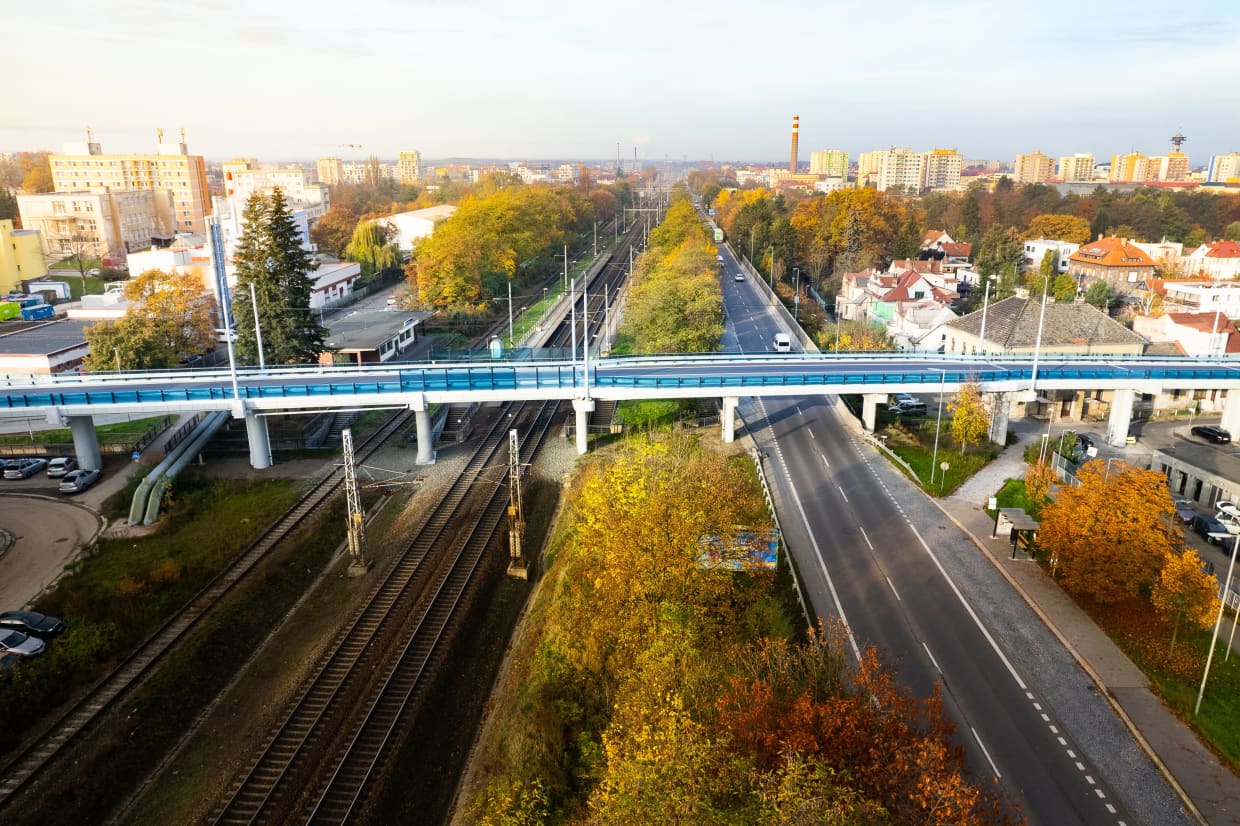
73 479
25 634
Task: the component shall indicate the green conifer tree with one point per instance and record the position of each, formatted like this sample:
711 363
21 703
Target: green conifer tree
270 256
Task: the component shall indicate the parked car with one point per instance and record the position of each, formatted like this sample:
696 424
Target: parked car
15 642
1210 529
24 468
907 408
1212 434
78 480
60 466
32 623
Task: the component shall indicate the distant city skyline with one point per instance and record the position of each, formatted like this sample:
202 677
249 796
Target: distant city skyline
300 79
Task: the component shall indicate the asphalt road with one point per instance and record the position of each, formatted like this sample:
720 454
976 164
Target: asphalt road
867 550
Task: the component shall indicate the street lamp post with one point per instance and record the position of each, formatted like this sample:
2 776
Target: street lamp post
934 462
796 295
1217 623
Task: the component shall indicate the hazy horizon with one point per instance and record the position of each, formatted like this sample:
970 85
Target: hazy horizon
283 79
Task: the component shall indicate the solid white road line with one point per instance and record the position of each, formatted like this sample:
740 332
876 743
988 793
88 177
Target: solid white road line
982 745
933 661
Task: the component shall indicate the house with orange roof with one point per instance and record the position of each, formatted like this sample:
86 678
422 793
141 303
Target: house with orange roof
1196 334
1116 261
1218 259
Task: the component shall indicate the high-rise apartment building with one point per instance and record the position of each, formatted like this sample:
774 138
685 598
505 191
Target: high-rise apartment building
867 166
83 167
1033 168
1225 168
1078 167
1128 168
244 176
901 169
409 167
1170 167
331 171
830 162
942 169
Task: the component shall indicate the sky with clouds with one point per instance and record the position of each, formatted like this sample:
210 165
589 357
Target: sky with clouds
288 79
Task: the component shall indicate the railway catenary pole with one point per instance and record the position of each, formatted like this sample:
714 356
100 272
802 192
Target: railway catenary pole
356 524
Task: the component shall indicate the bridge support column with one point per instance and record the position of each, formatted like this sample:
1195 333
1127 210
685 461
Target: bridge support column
583 407
728 419
426 438
85 442
869 409
260 441
1000 408
1231 412
1121 416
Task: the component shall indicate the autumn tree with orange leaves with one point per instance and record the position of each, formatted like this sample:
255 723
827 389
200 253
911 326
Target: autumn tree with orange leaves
1184 592
1112 532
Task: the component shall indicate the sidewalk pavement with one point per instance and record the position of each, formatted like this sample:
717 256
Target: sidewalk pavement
1209 788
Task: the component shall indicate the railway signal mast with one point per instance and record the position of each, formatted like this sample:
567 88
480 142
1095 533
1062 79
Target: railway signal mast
516 518
355 525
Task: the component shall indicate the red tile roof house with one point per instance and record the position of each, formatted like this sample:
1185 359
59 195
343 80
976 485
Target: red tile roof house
1113 260
1219 259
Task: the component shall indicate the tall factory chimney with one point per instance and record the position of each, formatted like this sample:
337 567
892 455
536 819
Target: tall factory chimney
792 164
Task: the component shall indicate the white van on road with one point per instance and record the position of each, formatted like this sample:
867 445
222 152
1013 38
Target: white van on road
782 344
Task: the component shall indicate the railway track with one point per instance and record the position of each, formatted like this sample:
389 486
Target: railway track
65 729
396 616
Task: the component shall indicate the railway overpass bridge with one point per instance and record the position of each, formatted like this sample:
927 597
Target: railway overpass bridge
252 393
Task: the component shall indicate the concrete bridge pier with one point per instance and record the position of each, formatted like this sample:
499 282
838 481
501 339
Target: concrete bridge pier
728 419
1231 412
869 409
583 407
426 437
260 440
85 442
1121 416
1000 409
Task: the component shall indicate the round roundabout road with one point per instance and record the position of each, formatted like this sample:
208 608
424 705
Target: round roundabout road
47 534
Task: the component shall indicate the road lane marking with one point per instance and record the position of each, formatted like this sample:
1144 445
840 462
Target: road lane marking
866 537
993 767
815 438
841 490
969 608
893 589
933 661
796 497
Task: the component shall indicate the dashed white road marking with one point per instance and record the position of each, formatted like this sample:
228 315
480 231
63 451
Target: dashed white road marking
866 537
841 490
893 589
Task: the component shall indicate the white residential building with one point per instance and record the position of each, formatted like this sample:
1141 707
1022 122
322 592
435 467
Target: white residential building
1224 168
1036 249
244 177
417 224
830 162
99 223
1078 167
901 169
942 169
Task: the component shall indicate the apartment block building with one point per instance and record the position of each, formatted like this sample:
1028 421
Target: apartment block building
1033 168
85 167
409 167
1224 168
244 176
1078 167
1132 167
830 162
901 169
1170 167
21 256
331 171
942 169
98 224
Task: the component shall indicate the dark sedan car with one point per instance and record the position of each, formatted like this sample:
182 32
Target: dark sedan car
32 622
1212 434
1210 529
